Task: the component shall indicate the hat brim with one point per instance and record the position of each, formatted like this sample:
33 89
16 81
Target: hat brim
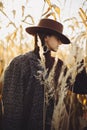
38 29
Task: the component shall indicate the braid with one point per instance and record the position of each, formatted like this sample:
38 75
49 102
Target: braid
36 48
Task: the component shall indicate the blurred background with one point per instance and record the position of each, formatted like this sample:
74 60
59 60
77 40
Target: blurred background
15 16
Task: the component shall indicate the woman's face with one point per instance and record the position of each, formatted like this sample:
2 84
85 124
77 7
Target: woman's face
52 42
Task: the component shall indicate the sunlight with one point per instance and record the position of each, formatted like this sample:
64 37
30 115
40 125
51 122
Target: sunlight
17 10
15 16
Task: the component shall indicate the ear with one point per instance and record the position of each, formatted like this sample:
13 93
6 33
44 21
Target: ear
46 38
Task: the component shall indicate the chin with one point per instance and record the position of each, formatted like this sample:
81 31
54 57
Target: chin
55 50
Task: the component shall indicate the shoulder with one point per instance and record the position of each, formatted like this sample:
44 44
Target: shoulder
19 64
22 59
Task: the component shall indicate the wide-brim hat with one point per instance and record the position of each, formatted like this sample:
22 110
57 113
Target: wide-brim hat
49 26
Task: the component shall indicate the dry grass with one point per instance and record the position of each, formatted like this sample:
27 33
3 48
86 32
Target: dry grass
70 106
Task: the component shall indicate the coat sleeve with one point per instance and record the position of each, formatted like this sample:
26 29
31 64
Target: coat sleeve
80 85
12 96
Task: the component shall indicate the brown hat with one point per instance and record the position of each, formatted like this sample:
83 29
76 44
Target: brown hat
49 26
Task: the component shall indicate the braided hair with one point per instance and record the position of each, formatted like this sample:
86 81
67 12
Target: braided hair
36 47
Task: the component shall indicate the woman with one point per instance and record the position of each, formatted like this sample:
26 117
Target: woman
23 91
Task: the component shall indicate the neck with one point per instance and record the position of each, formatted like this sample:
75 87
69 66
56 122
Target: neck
49 60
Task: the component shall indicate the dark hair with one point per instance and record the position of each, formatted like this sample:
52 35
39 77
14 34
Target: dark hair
36 48
42 36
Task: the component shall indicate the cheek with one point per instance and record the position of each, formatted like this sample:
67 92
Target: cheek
54 43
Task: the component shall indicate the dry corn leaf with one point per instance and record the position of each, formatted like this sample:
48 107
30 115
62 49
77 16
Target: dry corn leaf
57 9
30 17
14 34
83 16
14 13
46 11
23 8
72 27
1 5
71 19
82 99
51 14
84 22
1 67
48 2
83 13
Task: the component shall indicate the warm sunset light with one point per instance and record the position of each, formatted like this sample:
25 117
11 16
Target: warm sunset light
60 68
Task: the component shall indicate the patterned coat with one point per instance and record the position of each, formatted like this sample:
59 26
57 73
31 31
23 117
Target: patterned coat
23 94
20 82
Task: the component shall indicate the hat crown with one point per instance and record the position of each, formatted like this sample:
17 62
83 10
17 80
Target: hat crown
47 26
51 24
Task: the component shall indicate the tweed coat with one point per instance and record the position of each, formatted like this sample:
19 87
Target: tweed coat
18 82
23 93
